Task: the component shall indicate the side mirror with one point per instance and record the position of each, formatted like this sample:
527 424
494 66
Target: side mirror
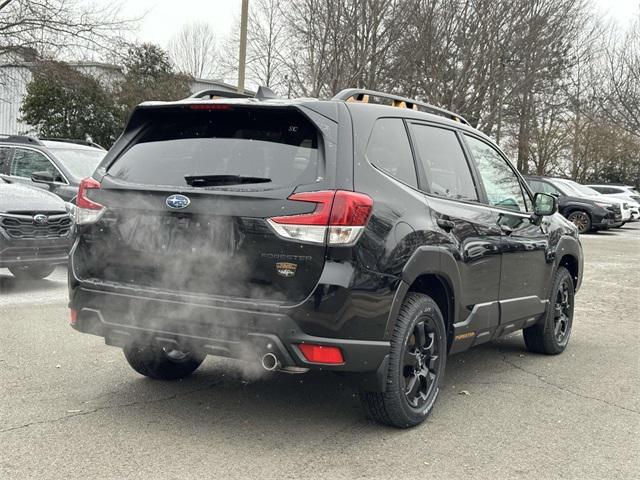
544 204
42 177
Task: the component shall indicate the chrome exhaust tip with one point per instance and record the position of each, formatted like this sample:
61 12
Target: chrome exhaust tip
270 362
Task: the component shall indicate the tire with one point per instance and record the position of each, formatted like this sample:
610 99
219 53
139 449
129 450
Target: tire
409 365
551 337
580 219
32 272
154 361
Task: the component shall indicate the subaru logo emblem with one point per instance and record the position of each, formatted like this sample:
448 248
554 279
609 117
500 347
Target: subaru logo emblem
40 219
177 201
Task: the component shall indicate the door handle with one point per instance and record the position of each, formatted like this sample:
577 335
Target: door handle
445 224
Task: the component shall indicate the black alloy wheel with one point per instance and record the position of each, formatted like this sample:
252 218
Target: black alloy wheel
416 364
562 311
421 363
551 334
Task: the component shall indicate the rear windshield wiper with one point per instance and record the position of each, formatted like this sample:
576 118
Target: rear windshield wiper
221 180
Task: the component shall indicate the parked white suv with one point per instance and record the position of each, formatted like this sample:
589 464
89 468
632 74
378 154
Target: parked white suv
623 192
590 193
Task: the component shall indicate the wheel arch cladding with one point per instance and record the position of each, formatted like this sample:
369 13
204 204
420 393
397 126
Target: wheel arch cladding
432 271
570 262
439 289
569 255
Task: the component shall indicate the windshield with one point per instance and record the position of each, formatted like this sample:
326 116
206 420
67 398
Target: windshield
584 189
81 162
574 188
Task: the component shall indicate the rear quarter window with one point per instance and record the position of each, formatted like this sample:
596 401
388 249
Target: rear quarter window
389 150
280 145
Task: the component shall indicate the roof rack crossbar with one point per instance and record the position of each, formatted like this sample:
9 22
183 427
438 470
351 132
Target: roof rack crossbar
216 93
361 94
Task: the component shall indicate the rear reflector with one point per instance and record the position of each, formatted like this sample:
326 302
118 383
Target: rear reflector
321 354
339 218
74 316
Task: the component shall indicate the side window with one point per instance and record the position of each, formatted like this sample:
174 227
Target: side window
5 159
389 150
500 181
446 168
26 162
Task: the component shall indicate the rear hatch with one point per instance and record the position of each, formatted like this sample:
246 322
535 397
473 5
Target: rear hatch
186 205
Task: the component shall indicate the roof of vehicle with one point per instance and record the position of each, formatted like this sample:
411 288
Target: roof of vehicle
69 145
542 177
50 142
615 185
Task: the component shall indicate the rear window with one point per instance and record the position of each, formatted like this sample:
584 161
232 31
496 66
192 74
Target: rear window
280 147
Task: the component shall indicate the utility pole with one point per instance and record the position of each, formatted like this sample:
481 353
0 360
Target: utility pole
243 45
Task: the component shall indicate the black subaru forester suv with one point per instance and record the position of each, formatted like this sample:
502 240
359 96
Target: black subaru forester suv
341 235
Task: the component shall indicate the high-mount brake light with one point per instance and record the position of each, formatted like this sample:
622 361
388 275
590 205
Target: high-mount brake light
87 211
210 106
339 218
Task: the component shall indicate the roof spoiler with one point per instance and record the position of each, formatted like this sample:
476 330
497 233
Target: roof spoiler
263 93
211 94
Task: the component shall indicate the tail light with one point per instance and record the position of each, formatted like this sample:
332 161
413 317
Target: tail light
339 218
87 211
74 316
321 353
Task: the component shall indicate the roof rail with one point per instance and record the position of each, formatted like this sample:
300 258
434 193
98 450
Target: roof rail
77 141
20 139
363 95
212 93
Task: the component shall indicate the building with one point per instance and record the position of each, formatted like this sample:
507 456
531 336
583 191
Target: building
14 77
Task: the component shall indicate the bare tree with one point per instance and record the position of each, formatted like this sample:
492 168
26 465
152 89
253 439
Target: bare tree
267 46
193 50
621 102
340 43
62 28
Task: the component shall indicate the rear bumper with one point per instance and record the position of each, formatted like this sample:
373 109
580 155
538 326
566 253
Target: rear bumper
31 252
230 330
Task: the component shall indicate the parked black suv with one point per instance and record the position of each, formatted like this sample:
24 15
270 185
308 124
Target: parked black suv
337 235
586 214
56 165
35 231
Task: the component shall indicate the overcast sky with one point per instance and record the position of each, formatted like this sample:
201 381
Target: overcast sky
165 17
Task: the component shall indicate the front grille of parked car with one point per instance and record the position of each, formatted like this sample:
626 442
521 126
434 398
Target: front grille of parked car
24 225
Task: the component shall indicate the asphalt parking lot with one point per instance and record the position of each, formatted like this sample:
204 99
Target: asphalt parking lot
71 407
